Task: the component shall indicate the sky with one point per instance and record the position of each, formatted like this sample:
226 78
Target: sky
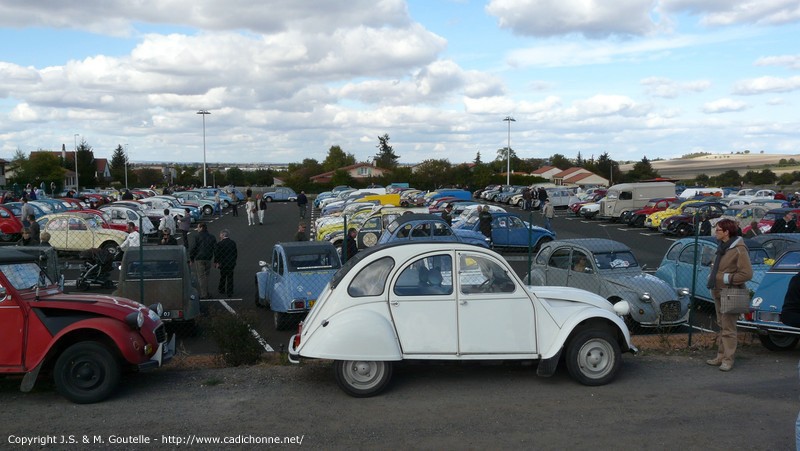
284 80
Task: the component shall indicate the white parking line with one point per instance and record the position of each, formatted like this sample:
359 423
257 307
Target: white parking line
260 340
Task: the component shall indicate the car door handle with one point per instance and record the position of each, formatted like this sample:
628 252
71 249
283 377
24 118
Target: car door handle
462 302
394 303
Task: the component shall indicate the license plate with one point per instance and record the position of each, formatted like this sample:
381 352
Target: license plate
311 303
166 314
771 317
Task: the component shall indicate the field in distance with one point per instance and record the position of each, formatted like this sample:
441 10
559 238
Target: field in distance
718 163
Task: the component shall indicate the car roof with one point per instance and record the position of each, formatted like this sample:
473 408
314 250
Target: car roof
301 247
11 255
402 219
594 244
161 252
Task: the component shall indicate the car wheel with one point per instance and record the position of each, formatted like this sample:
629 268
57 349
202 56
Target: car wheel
683 230
82 285
110 247
208 210
268 199
362 379
779 342
593 357
86 372
638 221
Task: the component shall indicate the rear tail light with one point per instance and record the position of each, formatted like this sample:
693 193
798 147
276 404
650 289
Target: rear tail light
296 342
299 304
749 316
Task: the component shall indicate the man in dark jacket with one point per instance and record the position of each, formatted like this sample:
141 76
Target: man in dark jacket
351 246
302 203
201 254
225 255
485 222
786 224
447 214
542 196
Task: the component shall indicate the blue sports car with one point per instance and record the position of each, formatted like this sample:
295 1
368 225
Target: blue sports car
677 266
765 308
511 231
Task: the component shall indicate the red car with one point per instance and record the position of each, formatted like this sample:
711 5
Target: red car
103 220
575 207
765 224
10 226
636 218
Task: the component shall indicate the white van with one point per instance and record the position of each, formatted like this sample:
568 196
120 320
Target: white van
689 193
632 196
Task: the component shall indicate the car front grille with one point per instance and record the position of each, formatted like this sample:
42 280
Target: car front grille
161 333
670 311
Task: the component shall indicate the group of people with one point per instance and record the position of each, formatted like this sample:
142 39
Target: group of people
531 195
206 251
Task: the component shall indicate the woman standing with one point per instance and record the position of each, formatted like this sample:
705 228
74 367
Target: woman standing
731 269
250 206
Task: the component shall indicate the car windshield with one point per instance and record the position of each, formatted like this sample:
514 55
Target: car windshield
650 204
612 195
317 260
159 269
93 223
614 260
23 276
689 210
772 216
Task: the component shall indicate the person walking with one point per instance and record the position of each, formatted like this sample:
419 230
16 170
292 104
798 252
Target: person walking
225 256
235 207
261 204
527 198
485 222
301 232
250 207
302 203
26 212
200 256
167 222
132 240
184 224
549 213
541 193
731 268
217 205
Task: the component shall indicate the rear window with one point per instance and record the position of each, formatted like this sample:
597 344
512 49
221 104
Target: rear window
319 260
159 269
789 262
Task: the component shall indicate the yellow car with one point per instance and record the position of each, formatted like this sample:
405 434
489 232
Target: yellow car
654 219
75 232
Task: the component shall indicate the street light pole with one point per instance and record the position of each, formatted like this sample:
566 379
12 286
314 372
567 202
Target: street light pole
509 119
77 185
204 112
126 166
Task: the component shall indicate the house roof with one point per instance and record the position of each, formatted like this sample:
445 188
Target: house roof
329 174
543 170
565 173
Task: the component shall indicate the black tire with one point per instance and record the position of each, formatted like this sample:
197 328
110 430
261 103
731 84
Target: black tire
82 285
260 304
226 204
208 210
110 247
86 372
779 342
683 230
639 221
593 357
268 199
362 379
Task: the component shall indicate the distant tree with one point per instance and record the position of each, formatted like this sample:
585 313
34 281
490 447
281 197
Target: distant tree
432 174
342 177
148 177
235 177
579 160
642 170
40 167
606 167
336 159
118 164
560 161
701 180
87 168
786 178
186 176
477 159
386 158
730 177
260 177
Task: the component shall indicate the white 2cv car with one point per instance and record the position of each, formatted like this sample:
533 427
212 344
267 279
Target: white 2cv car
454 301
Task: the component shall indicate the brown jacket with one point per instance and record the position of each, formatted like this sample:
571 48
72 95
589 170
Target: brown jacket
734 267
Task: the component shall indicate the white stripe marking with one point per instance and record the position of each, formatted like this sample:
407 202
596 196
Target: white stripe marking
263 342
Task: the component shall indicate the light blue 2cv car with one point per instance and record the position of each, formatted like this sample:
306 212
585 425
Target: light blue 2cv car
291 283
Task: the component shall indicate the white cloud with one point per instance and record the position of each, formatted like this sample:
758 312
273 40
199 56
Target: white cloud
724 106
790 61
764 85
732 12
594 19
670 89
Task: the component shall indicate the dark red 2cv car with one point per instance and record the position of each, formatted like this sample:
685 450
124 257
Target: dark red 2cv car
84 342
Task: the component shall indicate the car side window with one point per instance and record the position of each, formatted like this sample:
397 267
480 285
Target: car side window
515 223
421 231
76 224
369 281
441 230
687 256
581 262
426 276
542 256
707 257
404 231
673 252
478 274
560 259
57 224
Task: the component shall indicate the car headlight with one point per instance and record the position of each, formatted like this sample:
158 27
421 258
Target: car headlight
622 308
683 292
135 320
157 308
645 297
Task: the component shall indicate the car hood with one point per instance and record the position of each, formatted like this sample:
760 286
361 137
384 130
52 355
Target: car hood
104 305
639 283
564 301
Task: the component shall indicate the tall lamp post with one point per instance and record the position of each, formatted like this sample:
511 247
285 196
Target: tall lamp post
204 112
509 119
77 185
126 166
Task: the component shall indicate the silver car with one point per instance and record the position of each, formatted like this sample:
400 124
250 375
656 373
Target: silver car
610 269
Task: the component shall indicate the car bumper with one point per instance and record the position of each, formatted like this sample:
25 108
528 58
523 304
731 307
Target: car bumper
164 353
763 327
293 355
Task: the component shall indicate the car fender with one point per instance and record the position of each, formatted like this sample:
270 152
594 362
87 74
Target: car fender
353 334
587 315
